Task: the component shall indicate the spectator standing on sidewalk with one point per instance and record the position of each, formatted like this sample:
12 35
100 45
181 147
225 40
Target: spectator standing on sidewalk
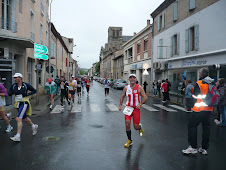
145 85
168 89
155 86
164 90
159 88
183 87
57 81
188 96
222 103
3 94
201 114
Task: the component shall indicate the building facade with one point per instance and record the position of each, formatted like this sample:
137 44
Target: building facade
188 35
118 65
137 51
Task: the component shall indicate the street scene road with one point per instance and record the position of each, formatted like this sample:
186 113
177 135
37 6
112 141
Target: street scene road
91 135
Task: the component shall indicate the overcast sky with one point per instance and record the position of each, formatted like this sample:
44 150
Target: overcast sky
87 21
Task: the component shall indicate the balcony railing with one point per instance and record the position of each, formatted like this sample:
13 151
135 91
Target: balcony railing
32 36
8 25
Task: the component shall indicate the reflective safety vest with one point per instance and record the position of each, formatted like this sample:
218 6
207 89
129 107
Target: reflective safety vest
200 105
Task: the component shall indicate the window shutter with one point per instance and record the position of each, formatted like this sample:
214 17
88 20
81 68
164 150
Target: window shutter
163 20
191 4
186 40
196 37
175 11
171 52
158 23
178 44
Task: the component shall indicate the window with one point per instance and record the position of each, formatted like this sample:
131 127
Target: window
20 6
175 11
161 48
192 39
29 70
161 22
175 41
118 34
138 48
113 34
42 8
52 50
145 45
191 4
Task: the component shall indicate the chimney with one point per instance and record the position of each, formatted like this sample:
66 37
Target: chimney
148 22
134 33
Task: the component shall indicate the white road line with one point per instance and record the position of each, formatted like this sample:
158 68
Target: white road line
112 107
94 108
149 108
76 108
57 109
178 107
164 108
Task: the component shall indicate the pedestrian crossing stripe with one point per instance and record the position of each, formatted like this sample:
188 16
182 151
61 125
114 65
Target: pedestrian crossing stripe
76 108
57 109
112 107
149 108
178 107
164 108
94 108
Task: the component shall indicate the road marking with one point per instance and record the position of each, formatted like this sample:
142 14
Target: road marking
112 107
57 109
164 108
149 108
178 107
76 108
94 108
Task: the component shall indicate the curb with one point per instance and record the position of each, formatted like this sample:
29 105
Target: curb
167 101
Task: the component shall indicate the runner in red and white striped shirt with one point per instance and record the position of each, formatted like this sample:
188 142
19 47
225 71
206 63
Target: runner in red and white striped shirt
133 93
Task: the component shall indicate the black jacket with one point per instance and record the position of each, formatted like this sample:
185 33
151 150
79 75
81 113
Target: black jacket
24 90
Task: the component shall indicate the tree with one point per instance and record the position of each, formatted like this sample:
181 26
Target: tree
97 68
82 72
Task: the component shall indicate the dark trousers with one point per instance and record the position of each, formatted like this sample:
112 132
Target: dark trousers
167 96
164 96
195 119
63 94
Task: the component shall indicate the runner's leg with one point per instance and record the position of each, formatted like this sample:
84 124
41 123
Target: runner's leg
3 116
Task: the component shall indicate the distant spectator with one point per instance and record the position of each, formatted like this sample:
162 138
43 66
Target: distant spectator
168 89
145 85
188 96
159 87
183 87
164 90
155 85
57 81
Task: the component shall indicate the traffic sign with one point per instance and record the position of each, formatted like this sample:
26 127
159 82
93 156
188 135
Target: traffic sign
51 69
41 56
41 49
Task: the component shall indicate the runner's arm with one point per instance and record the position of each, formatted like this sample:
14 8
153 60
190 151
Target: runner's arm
122 97
30 88
3 91
144 97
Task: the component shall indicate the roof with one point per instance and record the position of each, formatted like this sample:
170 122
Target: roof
163 6
118 54
126 38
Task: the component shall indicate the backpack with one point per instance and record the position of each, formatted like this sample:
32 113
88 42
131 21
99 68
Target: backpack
212 98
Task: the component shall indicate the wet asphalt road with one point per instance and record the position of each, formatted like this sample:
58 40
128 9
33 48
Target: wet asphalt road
94 139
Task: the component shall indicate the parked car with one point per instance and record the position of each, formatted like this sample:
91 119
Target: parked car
119 84
112 83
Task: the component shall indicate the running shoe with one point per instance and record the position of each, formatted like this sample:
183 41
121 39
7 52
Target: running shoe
203 151
9 115
217 121
190 150
141 131
51 106
128 143
15 138
9 128
35 130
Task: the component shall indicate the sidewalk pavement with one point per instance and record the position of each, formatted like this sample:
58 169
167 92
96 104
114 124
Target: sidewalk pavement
37 109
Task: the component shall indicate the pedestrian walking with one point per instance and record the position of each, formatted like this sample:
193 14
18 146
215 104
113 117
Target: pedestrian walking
164 90
155 87
64 90
3 94
79 87
168 89
145 85
159 87
50 88
72 87
87 82
106 87
20 90
57 81
222 103
188 96
201 114
133 105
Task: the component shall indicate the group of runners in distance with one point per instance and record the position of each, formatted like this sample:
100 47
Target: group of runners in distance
20 89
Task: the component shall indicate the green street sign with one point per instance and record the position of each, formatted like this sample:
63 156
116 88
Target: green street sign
41 56
41 49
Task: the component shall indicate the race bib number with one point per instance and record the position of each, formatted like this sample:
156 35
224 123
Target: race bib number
70 88
79 85
128 110
18 98
62 86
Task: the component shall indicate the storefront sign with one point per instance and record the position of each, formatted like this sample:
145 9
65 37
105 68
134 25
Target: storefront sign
193 62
